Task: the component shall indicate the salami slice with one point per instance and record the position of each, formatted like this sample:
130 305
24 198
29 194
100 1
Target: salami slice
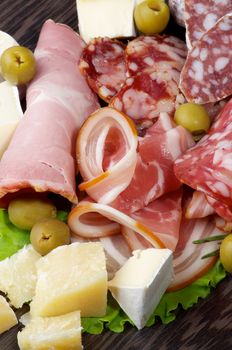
200 16
160 52
147 94
177 10
207 74
103 65
207 167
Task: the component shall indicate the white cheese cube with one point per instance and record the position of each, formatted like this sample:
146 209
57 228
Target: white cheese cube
18 276
10 113
105 18
7 316
60 332
70 278
139 285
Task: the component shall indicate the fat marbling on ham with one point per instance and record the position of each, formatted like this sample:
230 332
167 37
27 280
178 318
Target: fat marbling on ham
41 154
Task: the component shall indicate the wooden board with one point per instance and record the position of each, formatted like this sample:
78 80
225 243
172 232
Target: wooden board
208 325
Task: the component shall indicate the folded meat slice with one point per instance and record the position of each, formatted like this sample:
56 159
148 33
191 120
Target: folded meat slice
106 154
207 167
188 263
198 207
41 154
154 174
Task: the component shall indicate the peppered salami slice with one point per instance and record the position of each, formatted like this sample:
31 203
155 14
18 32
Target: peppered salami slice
200 16
159 52
103 65
207 74
147 94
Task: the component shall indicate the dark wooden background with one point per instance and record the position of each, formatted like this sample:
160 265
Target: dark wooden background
208 325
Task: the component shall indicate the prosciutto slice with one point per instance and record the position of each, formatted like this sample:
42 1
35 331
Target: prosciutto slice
207 167
41 154
198 207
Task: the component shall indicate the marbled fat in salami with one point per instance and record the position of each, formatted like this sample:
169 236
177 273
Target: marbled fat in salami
103 65
200 16
207 167
147 94
160 52
207 74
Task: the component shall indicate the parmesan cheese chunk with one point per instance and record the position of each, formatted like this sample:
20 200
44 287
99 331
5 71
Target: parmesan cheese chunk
70 278
105 18
7 316
139 285
60 332
18 276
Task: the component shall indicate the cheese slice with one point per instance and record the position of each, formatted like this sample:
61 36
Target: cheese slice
10 113
70 278
60 332
7 316
105 18
139 285
18 276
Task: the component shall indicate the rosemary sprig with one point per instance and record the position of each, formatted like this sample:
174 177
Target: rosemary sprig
210 239
209 255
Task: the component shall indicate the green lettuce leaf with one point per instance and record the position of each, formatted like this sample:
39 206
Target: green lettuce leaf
11 238
115 319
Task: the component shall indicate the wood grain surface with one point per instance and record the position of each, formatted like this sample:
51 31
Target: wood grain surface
208 325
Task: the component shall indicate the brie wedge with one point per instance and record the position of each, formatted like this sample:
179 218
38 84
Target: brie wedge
7 316
139 285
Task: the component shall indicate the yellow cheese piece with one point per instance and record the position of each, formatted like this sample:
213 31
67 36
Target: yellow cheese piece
18 276
57 333
7 316
70 278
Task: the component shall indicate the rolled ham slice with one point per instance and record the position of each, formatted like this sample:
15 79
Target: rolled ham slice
41 154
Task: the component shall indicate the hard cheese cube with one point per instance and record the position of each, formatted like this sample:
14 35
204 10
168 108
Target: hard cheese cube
60 332
105 18
18 276
7 316
71 278
139 285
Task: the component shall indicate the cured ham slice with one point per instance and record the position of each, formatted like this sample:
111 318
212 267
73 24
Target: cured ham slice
103 64
106 154
188 263
207 167
160 52
41 154
154 174
81 224
206 76
201 16
198 207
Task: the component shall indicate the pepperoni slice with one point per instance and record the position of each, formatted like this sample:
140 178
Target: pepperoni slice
103 65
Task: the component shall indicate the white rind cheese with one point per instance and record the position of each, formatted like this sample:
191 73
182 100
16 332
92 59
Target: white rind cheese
105 18
10 113
7 316
18 276
60 332
71 278
139 285
6 41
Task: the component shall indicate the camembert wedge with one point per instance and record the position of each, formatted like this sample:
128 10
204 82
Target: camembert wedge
7 316
18 276
60 332
140 283
70 278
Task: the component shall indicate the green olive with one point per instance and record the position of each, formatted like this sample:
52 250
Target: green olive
192 117
151 16
18 65
49 234
25 210
226 253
